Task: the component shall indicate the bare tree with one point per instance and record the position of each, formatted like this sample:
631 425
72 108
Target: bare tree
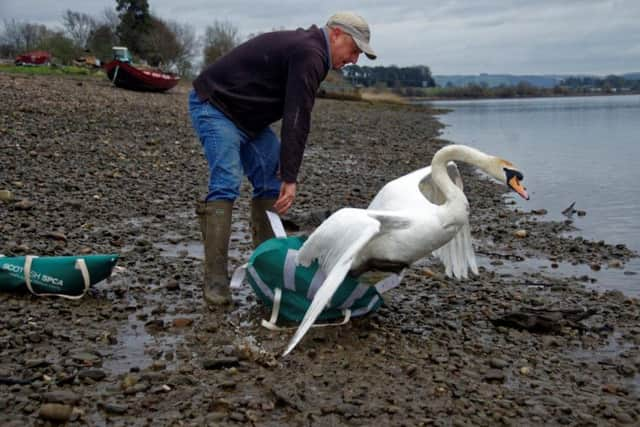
101 40
160 45
79 26
11 38
103 37
171 45
110 19
219 39
33 35
63 48
186 36
19 37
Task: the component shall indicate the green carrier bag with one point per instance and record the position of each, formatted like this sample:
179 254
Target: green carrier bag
289 289
64 276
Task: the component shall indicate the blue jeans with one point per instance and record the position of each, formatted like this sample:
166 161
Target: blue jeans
230 151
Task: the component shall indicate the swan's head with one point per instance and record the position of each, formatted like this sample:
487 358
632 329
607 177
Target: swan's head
507 172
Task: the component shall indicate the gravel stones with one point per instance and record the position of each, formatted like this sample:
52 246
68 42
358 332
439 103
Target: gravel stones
113 171
56 412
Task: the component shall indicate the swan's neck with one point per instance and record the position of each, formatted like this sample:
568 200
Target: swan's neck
456 153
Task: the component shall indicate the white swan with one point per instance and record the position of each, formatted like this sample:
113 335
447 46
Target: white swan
413 216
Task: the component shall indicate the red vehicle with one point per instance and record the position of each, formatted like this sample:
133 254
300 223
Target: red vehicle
125 75
37 57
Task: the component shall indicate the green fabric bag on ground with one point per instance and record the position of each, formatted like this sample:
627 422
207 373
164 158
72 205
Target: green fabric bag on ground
289 289
64 276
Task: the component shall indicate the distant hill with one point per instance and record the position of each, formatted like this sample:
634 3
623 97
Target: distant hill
494 80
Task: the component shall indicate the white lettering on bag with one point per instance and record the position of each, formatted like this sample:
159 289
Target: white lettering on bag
52 280
18 271
12 268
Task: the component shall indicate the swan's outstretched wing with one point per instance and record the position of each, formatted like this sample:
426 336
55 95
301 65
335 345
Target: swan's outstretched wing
457 255
400 193
335 244
336 234
432 192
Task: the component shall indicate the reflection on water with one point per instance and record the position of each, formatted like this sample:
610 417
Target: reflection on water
612 354
137 347
195 248
582 149
592 279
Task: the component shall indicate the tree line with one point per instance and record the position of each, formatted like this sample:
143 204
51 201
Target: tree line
163 43
570 86
391 77
610 83
417 81
174 46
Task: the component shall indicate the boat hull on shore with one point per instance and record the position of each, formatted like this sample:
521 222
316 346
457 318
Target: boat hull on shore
126 76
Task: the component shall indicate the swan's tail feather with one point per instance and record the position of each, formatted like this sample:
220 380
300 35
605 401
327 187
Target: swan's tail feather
457 255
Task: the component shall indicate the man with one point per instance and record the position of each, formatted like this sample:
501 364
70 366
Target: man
270 77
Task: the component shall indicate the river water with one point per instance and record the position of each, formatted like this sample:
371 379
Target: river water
582 149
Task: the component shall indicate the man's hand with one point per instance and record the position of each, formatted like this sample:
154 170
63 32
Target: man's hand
286 197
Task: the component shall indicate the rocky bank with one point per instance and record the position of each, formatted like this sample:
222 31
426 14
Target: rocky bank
90 168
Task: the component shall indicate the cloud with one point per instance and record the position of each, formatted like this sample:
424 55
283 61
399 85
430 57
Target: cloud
455 36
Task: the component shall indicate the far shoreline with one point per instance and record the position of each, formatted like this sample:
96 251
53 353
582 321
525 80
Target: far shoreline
413 99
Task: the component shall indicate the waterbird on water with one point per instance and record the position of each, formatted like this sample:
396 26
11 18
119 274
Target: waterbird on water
413 216
568 212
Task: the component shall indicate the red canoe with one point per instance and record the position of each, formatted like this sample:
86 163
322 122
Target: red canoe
127 76
37 57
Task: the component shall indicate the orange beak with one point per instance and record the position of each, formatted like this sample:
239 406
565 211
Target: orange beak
515 184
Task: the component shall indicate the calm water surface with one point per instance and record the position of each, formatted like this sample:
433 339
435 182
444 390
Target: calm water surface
582 149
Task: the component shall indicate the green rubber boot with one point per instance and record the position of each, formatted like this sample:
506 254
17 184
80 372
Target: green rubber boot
260 225
215 224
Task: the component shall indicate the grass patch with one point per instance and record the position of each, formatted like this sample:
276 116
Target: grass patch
56 70
382 96
371 96
341 96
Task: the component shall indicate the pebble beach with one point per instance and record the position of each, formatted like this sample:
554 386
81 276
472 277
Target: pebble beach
88 168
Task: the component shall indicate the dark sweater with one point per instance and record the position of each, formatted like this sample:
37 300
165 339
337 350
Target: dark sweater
270 77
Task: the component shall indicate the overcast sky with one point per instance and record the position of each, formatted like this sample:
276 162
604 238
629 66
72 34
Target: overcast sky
451 37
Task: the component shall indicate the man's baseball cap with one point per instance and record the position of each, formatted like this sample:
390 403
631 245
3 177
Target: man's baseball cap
356 27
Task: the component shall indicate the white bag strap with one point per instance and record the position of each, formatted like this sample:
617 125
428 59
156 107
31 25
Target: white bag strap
390 282
238 276
278 231
275 310
289 270
80 265
276 225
